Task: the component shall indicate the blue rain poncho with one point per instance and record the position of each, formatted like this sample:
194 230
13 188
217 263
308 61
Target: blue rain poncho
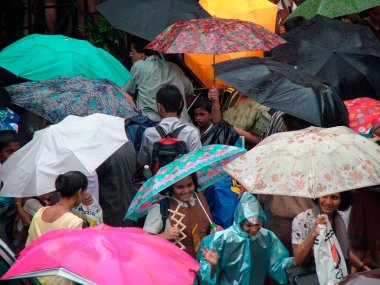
243 259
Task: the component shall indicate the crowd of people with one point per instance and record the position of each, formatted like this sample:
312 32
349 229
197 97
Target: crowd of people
257 236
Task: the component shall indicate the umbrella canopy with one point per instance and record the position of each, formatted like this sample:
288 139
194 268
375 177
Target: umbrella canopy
214 36
261 12
363 113
363 278
42 57
56 99
311 163
345 55
285 88
332 9
76 143
147 18
105 255
207 161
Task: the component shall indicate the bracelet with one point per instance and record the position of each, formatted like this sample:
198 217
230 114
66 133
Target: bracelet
18 204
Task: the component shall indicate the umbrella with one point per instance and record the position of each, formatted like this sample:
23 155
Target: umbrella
206 161
345 55
311 163
261 12
285 88
147 18
332 8
55 99
363 278
41 57
363 113
214 36
105 255
75 143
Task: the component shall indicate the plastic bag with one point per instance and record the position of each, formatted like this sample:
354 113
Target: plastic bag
92 214
329 260
220 133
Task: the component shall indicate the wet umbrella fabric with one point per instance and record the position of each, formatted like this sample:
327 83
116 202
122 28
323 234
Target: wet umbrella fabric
284 88
42 57
310 163
76 143
106 255
147 18
331 8
56 99
214 36
207 162
345 55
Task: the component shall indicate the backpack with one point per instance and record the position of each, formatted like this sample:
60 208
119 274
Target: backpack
168 148
164 210
135 128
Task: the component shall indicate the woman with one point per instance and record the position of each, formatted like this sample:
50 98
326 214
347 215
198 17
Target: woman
305 229
72 188
187 220
249 118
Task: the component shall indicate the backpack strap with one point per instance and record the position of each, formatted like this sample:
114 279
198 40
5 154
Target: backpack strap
161 131
164 210
177 131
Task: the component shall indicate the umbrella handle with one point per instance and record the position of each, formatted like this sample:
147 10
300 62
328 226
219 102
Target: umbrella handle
204 210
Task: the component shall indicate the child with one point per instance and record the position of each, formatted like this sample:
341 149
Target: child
245 253
203 115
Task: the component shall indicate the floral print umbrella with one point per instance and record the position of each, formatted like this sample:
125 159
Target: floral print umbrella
310 163
56 99
364 112
214 36
207 161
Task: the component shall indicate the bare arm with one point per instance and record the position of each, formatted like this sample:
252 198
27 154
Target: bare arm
213 95
249 138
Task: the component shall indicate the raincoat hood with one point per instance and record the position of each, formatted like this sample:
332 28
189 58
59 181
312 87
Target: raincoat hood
248 207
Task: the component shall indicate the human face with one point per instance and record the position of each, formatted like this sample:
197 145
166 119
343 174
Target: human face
329 203
8 150
250 228
374 15
135 55
183 190
202 118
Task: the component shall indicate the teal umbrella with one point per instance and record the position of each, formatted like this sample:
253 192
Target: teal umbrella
43 57
332 8
207 162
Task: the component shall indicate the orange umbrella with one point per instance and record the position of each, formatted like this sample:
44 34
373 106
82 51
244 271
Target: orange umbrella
261 12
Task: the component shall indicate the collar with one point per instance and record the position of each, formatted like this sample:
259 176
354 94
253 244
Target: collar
183 204
170 119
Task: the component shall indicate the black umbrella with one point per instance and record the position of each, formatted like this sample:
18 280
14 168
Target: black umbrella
345 55
147 18
284 88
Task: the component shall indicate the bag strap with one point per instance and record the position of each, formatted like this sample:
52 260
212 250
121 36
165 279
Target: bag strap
177 131
161 132
164 209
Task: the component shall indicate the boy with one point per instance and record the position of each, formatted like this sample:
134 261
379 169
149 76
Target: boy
203 115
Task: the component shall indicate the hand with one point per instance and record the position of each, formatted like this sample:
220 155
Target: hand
211 256
213 94
219 228
87 199
171 234
320 220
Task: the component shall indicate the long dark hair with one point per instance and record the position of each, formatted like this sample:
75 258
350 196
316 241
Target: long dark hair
71 182
169 190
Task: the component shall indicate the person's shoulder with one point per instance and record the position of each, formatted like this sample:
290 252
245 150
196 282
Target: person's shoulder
304 215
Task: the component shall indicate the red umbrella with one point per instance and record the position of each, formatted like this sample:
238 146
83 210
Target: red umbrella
214 36
364 112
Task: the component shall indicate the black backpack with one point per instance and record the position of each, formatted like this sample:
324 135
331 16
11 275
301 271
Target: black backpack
168 148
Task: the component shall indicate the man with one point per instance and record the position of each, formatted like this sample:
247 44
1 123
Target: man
149 74
115 185
169 101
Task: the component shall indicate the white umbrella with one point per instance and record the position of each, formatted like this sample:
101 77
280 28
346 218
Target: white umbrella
76 143
312 162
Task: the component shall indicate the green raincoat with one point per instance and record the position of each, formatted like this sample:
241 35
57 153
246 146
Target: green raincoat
245 260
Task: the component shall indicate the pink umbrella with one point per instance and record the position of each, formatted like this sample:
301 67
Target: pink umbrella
106 255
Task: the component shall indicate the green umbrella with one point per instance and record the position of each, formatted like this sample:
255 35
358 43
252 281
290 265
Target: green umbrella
332 8
43 57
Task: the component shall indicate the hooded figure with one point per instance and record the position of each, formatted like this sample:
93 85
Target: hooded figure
245 256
